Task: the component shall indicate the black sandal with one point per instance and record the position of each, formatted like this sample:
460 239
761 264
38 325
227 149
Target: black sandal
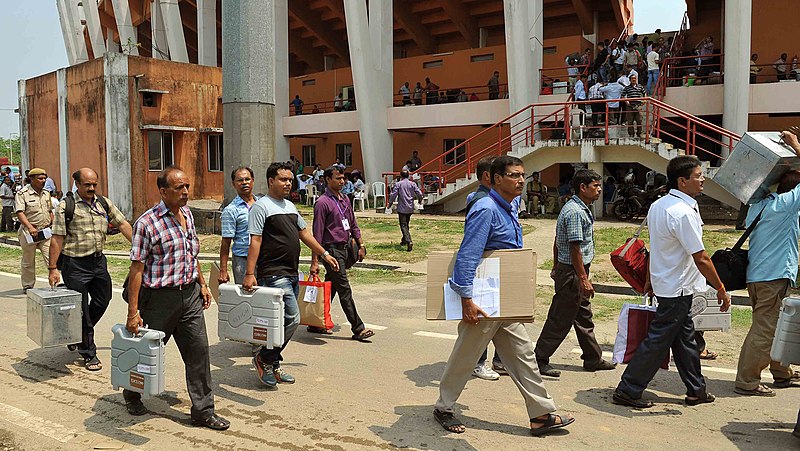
625 399
364 335
549 424
449 422
214 422
92 364
706 398
135 407
319 330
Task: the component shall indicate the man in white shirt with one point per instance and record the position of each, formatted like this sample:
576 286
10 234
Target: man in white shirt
653 60
679 267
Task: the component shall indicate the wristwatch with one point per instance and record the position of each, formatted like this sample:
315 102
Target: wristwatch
326 253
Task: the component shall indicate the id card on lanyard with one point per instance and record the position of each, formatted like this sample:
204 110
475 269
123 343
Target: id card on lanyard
345 221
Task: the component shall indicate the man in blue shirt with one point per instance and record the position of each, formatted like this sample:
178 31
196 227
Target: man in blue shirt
573 251
405 191
491 225
772 269
234 226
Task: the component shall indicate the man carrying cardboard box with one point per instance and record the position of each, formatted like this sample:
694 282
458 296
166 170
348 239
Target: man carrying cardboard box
490 225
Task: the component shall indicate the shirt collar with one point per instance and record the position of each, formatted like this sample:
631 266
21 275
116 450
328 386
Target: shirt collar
484 189
161 209
500 201
583 205
685 197
329 192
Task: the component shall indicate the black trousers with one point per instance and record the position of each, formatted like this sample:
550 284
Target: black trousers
7 222
671 328
179 313
88 276
340 285
405 219
568 310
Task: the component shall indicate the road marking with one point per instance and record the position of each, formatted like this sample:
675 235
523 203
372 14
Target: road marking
33 423
42 279
369 326
422 333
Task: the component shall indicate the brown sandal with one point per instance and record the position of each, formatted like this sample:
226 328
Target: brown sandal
551 423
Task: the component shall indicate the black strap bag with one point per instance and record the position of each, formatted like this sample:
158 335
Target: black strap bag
731 263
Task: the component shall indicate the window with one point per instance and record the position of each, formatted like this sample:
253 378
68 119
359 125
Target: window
215 158
344 152
459 156
149 99
479 58
550 50
311 82
159 150
434 63
310 155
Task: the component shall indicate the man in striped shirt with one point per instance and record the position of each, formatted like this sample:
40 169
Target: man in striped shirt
634 111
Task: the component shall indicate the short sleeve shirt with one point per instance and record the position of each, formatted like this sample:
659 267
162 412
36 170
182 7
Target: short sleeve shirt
234 225
89 227
278 223
5 190
575 224
36 206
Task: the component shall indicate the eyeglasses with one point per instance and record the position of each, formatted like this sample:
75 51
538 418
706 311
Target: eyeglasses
515 175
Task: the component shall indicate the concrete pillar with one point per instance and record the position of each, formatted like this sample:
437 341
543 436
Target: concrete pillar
160 47
597 206
66 31
736 90
524 38
76 28
118 133
370 42
63 134
207 32
248 99
128 34
93 27
22 105
281 81
174 26
111 44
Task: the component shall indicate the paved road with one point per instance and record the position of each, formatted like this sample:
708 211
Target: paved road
354 396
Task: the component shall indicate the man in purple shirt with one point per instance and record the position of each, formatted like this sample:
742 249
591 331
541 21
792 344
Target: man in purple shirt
334 227
405 191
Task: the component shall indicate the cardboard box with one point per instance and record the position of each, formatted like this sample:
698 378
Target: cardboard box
517 284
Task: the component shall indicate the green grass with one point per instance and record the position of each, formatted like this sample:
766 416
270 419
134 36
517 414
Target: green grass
608 239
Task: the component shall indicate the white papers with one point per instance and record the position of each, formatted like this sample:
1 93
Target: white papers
311 295
485 291
46 232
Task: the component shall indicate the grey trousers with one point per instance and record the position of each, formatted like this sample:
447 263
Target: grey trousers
512 342
179 313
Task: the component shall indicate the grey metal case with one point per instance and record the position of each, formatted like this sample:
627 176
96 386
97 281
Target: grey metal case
138 363
756 163
54 316
251 317
786 344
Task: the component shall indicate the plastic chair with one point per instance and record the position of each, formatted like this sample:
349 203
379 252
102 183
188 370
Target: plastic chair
360 196
378 191
311 194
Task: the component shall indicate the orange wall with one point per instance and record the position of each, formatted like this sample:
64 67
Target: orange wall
42 93
86 121
774 30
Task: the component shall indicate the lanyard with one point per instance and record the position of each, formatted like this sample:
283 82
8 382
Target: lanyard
336 201
514 221
687 203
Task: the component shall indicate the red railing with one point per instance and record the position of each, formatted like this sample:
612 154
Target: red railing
570 122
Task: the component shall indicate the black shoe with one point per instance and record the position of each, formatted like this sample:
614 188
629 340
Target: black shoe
135 407
548 370
214 422
604 365
625 399
410 247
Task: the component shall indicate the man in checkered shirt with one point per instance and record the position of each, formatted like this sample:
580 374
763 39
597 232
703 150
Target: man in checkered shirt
573 251
167 292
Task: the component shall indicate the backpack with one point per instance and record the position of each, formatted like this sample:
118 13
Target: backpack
69 211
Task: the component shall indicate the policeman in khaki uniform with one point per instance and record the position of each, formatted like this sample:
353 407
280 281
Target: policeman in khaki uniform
35 212
83 265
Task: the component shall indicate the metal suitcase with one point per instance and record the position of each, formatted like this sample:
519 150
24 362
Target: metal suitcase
54 316
138 362
706 314
786 344
251 317
757 162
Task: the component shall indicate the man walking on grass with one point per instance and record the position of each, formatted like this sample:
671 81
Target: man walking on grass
405 191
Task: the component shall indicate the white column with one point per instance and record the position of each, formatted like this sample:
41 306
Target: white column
76 28
66 31
174 26
118 133
93 26
128 34
524 37
370 41
207 32
160 47
63 138
281 81
736 89
22 104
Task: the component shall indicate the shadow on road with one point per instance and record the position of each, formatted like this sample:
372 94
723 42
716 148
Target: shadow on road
425 375
761 436
416 428
48 364
600 399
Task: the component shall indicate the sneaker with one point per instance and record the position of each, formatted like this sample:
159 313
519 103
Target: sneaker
485 373
499 368
282 376
265 372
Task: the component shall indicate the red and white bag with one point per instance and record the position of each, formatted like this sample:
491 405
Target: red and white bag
632 328
315 303
631 261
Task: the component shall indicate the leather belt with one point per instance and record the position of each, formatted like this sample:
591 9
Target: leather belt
337 245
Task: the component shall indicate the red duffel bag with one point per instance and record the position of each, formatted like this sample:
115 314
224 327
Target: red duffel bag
631 259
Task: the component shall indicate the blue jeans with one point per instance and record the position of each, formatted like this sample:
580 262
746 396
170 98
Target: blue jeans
671 328
495 360
239 268
652 79
291 313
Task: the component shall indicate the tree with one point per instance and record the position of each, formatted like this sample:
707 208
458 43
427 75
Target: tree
10 148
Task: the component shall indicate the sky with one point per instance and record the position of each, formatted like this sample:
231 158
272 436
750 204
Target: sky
32 43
